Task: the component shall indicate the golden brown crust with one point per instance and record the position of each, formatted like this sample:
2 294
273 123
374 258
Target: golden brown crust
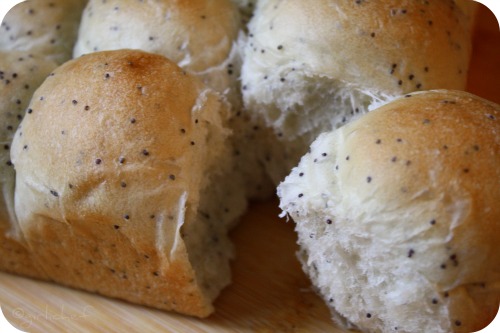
89 258
110 167
196 34
388 46
14 256
462 157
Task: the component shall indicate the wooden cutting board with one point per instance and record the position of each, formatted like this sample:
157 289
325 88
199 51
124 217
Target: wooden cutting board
269 291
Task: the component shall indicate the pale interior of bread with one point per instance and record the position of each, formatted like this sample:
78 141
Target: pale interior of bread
301 107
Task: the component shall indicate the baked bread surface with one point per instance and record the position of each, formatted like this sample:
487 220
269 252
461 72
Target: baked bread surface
120 185
398 218
313 66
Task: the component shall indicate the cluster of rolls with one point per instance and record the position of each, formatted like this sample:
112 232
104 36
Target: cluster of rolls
136 132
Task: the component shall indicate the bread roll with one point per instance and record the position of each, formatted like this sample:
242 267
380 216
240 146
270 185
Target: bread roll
42 27
200 36
124 183
312 66
397 215
20 74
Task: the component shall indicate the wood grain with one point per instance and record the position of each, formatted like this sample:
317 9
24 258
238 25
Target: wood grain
269 293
